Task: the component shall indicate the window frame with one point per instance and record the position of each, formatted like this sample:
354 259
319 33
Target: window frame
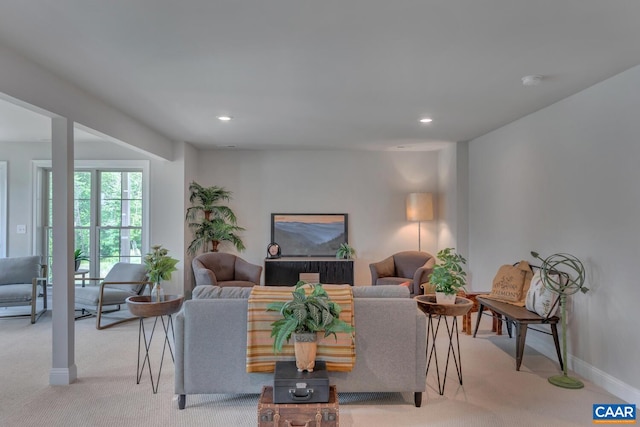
40 198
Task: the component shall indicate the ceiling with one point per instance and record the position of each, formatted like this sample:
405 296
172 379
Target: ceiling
347 74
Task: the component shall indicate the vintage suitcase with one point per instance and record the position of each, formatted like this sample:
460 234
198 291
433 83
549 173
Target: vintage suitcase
298 414
291 386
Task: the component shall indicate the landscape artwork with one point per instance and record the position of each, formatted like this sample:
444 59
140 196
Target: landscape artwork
310 235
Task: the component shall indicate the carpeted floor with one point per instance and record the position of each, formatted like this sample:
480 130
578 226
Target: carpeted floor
106 393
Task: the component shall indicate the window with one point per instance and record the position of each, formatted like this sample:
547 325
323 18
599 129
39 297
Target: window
109 220
3 209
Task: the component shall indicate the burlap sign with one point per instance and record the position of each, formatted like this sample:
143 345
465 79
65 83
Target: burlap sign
511 283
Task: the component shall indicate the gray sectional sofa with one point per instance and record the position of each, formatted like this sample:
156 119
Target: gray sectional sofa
211 338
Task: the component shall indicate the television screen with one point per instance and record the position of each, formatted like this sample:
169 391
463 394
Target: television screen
311 235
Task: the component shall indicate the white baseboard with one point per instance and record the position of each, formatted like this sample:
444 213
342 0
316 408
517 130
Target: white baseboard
63 376
613 385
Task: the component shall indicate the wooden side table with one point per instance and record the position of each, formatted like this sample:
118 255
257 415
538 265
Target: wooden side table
427 303
143 307
496 326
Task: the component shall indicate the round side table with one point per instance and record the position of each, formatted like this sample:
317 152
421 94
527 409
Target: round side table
427 303
143 307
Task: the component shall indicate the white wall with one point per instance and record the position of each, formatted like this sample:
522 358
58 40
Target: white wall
565 179
370 186
49 94
167 196
19 190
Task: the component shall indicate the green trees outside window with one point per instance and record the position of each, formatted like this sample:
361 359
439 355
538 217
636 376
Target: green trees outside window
108 217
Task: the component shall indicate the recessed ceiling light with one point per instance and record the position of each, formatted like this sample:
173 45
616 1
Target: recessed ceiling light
532 80
224 118
426 120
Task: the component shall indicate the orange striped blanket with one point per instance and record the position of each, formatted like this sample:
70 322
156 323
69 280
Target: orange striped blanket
339 355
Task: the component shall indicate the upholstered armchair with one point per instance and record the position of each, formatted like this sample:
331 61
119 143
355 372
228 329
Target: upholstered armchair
19 281
222 269
122 281
408 266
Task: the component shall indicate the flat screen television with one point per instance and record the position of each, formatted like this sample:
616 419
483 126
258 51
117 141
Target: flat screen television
309 235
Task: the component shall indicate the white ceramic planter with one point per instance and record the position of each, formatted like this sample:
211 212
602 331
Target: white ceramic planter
442 298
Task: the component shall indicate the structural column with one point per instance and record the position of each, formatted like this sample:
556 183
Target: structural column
63 370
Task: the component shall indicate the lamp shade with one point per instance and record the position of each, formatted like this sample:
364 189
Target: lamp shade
419 207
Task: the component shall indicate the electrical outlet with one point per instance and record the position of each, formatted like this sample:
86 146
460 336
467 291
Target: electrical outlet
21 229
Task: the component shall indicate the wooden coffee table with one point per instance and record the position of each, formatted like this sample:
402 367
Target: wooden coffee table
496 325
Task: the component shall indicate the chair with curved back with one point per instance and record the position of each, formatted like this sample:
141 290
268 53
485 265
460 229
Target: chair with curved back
122 281
222 269
408 266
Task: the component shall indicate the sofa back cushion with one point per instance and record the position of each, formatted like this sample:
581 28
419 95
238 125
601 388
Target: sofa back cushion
217 292
381 291
19 270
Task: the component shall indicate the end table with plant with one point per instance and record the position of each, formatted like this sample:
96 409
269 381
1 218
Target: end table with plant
448 275
302 318
159 267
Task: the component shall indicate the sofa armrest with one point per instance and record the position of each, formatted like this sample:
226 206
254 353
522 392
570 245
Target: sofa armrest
203 275
246 271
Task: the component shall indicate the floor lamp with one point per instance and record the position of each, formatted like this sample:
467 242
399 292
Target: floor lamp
419 208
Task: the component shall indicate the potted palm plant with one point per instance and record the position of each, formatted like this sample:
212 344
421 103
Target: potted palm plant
210 221
345 251
448 277
302 318
79 256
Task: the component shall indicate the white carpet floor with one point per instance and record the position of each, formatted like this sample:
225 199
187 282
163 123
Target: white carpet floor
106 393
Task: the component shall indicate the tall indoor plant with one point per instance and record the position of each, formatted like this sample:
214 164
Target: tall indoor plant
302 318
210 221
448 276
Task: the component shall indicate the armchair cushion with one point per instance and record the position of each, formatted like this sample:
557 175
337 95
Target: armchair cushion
19 270
124 272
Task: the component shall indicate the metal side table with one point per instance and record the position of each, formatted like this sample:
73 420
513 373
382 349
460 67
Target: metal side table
143 307
427 303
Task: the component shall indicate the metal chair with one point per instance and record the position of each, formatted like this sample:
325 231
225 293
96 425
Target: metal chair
122 281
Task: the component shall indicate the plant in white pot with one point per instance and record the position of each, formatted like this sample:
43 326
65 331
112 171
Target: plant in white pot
302 318
159 266
448 276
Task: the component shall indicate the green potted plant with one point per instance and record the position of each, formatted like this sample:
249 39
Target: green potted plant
79 256
302 318
159 267
448 277
345 251
210 221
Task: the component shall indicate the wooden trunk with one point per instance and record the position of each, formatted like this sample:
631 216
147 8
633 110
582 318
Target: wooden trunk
298 414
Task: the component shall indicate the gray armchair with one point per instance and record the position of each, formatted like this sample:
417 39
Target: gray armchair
408 266
122 281
19 280
222 269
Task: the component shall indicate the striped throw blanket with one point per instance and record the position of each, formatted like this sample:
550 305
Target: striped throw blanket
339 355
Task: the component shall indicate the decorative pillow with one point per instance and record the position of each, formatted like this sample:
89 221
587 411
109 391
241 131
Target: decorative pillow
405 284
386 267
511 283
540 299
